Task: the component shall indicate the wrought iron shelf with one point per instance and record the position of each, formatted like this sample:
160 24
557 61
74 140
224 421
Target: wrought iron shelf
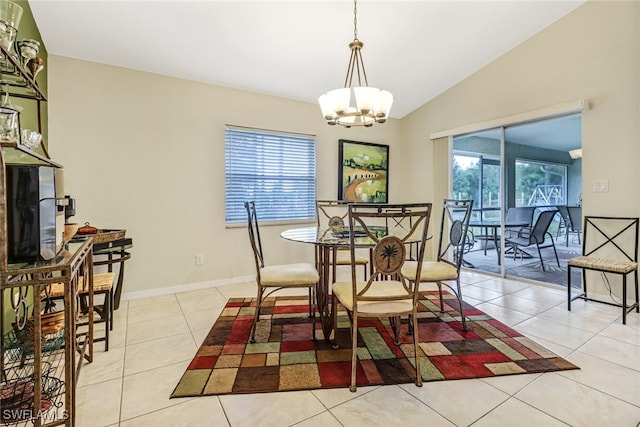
17 78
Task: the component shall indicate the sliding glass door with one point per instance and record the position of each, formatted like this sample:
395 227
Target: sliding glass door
515 174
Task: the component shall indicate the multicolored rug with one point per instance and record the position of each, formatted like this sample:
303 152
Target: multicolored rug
285 358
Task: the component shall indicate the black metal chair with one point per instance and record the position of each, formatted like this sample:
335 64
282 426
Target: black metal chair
537 236
519 214
575 222
612 248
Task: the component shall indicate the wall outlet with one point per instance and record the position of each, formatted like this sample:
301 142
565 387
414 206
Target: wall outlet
199 259
601 186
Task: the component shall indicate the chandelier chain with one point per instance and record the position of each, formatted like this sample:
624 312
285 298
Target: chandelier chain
355 19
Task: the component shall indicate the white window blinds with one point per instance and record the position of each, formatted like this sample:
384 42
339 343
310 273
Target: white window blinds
276 170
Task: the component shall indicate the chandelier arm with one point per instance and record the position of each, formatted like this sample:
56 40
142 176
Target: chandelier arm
353 59
364 72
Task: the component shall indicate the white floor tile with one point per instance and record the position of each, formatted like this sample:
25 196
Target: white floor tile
505 286
387 406
203 319
271 409
481 293
203 299
505 315
548 296
553 331
336 396
589 323
515 413
144 312
442 395
157 353
99 404
510 384
160 299
105 366
203 411
240 290
325 419
614 351
629 333
606 376
149 330
577 404
523 305
149 391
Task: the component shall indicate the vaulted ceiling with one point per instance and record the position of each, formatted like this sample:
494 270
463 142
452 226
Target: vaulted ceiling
297 49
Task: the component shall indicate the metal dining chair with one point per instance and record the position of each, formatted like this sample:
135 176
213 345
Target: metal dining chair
387 292
277 277
454 224
332 213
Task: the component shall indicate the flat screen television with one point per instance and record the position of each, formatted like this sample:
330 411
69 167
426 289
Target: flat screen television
31 213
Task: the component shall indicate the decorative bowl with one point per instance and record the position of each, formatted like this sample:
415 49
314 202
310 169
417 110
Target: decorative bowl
31 139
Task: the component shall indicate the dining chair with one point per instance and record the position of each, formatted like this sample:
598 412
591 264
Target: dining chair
537 236
575 222
454 224
519 214
332 213
270 279
609 246
570 222
386 293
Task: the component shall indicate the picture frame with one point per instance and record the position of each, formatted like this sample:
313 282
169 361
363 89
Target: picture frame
363 172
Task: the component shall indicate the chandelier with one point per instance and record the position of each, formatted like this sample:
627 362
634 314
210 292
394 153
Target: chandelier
372 104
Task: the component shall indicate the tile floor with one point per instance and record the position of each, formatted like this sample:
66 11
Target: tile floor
154 340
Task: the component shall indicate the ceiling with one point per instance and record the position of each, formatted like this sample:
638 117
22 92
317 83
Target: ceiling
297 49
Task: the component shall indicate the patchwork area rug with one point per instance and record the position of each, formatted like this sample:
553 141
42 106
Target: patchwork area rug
285 358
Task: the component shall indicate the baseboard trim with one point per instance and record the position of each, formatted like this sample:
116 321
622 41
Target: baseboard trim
127 296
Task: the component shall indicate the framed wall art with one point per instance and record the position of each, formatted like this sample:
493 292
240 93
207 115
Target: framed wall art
363 172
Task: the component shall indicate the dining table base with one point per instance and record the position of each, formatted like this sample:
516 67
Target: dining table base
323 295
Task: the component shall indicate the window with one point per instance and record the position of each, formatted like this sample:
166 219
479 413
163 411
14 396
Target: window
478 177
540 184
276 170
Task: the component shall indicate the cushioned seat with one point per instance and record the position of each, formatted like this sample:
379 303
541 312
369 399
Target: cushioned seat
379 289
289 275
432 271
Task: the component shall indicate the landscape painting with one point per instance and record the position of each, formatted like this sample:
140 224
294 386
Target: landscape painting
363 172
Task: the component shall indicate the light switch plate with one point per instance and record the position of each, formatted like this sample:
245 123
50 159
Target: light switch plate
601 186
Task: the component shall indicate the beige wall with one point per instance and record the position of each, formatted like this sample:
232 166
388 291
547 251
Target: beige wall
145 152
592 53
